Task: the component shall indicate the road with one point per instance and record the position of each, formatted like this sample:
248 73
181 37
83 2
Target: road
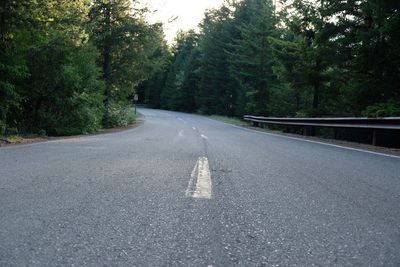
184 190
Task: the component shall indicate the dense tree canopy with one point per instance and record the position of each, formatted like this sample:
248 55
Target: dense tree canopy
71 67
290 58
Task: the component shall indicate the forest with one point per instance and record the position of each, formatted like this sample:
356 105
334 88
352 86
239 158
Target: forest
72 67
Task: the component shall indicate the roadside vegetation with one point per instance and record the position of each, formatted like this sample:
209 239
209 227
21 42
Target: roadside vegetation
72 67
296 58
230 120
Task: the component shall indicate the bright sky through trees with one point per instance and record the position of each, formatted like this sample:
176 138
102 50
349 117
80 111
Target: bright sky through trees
189 13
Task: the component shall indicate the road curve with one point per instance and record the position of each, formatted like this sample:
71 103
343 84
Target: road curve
183 190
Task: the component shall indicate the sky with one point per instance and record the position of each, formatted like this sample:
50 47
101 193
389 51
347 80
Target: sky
189 13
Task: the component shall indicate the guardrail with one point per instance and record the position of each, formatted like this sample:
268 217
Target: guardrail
374 124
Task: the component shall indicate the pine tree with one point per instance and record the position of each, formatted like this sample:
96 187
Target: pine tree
304 53
177 93
217 91
251 57
366 36
127 44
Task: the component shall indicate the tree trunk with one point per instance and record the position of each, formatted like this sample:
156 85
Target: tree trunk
316 89
3 119
316 99
107 68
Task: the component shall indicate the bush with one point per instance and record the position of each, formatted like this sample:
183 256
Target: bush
84 116
388 109
204 110
2 128
67 90
120 115
301 114
12 131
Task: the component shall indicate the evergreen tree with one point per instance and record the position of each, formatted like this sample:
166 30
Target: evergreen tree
63 92
307 63
366 35
179 91
126 44
13 69
217 92
251 58
63 64
48 68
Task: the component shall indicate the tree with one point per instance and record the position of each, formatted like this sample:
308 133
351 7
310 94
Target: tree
13 69
49 75
251 57
180 84
126 44
304 53
62 95
366 36
150 89
217 89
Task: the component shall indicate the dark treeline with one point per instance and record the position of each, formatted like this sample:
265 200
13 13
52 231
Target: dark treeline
69 67
303 58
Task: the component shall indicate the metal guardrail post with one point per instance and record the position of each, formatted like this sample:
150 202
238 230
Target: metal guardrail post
374 137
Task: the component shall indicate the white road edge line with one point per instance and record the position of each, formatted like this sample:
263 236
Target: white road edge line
317 142
203 188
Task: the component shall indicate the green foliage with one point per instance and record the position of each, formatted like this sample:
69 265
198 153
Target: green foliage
181 80
73 104
121 115
71 67
51 56
307 58
230 120
12 63
251 57
129 48
217 89
388 109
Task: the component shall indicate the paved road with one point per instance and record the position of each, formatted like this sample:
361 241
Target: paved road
183 190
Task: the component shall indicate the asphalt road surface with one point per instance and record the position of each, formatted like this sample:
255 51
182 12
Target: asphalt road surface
183 190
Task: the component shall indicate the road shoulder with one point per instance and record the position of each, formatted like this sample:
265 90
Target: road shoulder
23 140
331 142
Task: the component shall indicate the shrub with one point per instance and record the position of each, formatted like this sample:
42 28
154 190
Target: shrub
67 90
388 109
120 114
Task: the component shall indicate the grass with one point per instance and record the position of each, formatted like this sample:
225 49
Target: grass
136 116
230 120
242 123
12 139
